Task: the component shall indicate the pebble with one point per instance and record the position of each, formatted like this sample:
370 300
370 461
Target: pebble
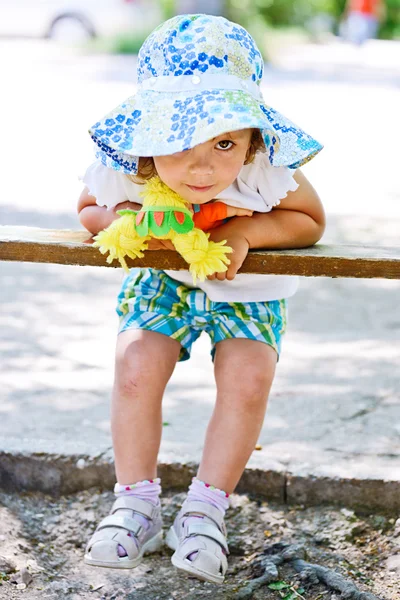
90 516
397 528
33 567
322 539
23 576
7 565
62 587
55 519
393 563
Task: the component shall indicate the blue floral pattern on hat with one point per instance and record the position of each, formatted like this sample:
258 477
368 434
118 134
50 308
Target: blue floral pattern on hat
156 123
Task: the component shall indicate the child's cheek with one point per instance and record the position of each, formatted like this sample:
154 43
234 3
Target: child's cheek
230 170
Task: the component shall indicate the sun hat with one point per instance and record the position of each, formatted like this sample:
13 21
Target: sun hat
198 77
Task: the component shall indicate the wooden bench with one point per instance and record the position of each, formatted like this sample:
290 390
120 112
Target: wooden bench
66 247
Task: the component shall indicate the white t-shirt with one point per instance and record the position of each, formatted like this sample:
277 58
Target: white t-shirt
259 187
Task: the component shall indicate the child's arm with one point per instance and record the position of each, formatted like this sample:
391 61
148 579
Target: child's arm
297 222
96 218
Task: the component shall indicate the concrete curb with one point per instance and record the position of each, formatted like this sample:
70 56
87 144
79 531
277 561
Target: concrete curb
56 474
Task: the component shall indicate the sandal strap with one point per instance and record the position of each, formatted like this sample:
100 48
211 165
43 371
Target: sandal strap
110 537
121 521
209 531
147 509
203 509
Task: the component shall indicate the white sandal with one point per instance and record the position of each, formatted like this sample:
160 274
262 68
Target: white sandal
207 538
121 528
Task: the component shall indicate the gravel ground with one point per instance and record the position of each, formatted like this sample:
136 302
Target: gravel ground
42 541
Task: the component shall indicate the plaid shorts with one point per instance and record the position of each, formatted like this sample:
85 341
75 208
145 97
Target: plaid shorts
150 299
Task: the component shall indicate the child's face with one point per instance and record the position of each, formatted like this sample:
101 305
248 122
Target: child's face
201 173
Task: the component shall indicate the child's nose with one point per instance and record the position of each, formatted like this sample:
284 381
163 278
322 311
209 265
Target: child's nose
201 164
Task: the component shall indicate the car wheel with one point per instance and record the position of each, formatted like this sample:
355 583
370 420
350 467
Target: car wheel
71 28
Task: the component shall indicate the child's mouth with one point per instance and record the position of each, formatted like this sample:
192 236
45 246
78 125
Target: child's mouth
195 188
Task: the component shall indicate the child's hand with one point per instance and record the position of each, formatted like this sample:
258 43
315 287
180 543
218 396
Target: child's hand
240 247
155 244
233 211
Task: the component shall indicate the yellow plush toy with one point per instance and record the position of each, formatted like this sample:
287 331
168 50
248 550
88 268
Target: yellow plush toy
164 215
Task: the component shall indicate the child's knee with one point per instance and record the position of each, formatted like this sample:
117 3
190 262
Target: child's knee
134 368
248 391
260 378
144 361
132 376
256 385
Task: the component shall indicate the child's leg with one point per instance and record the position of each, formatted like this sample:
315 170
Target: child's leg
244 372
144 364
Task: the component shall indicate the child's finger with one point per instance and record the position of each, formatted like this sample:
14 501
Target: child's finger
243 212
231 272
221 276
234 266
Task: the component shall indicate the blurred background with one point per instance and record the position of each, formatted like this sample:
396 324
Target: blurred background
121 25
331 66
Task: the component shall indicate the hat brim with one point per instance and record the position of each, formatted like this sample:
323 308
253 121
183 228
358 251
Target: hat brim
154 123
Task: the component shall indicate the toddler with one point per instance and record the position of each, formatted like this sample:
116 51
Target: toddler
199 122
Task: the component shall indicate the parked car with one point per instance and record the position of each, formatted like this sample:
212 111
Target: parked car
75 19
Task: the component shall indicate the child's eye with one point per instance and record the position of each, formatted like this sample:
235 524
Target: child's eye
225 145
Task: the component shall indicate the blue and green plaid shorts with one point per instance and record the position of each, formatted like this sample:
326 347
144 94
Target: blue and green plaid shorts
150 299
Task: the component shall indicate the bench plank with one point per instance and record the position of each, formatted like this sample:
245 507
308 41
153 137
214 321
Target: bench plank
67 247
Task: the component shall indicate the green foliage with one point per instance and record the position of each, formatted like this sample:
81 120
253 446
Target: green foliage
168 8
290 596
128 43
286 590
280 13
390 27
288 13
278 585
123 43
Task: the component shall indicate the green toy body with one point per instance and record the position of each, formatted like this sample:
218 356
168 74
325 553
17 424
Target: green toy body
159 221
